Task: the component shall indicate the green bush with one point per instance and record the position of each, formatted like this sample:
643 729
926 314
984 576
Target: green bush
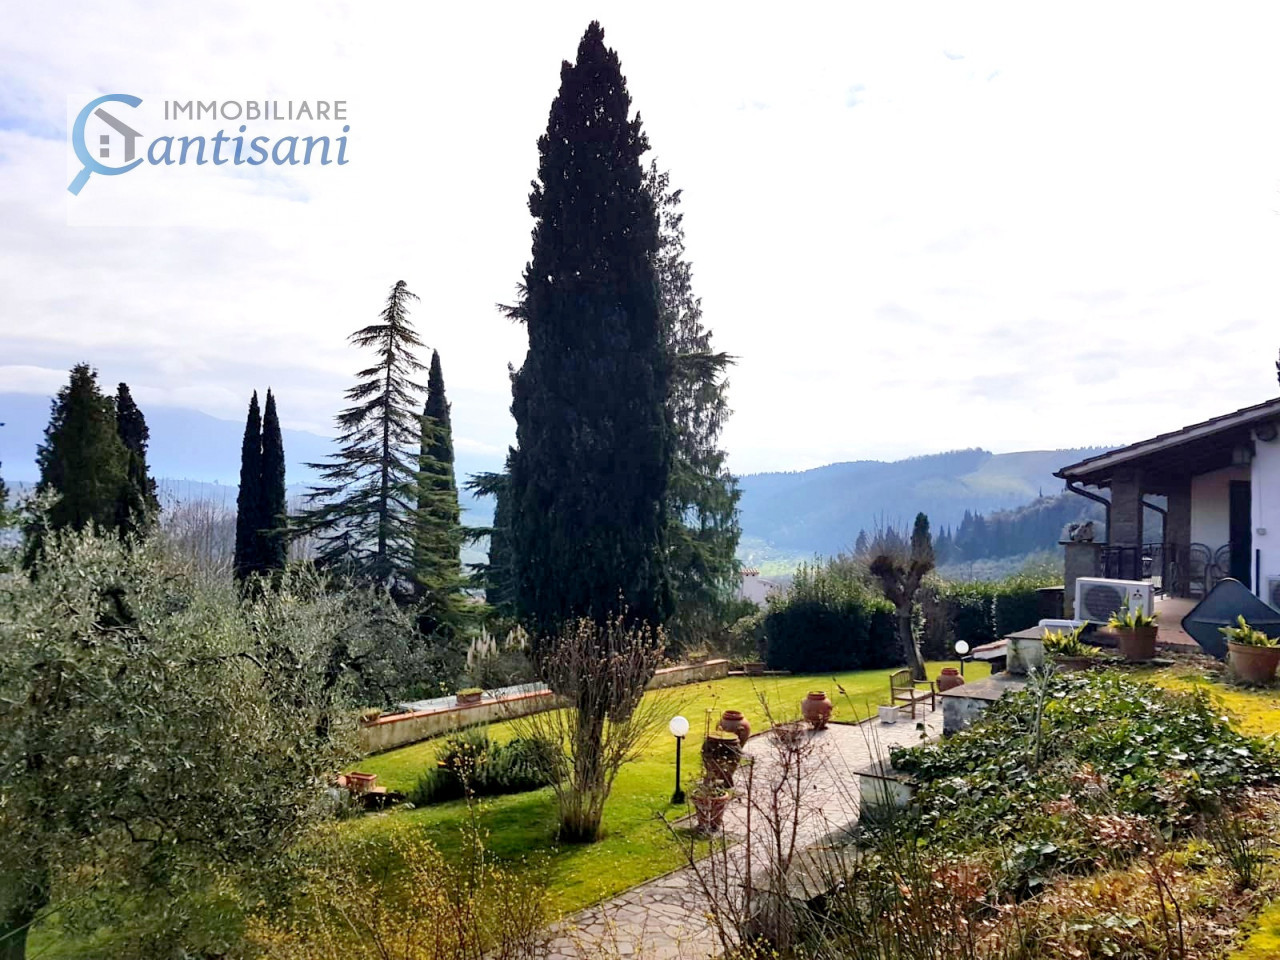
830 620
470 760
980 611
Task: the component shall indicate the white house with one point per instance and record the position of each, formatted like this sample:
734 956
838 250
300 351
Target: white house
1220 481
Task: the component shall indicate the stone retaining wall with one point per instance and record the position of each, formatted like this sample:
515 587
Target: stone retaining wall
400 729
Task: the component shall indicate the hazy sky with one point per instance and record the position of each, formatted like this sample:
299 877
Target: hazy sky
918 227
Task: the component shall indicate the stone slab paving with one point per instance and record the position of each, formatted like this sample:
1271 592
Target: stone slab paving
666 919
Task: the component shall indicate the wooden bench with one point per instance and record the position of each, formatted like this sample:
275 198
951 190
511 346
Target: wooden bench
902 689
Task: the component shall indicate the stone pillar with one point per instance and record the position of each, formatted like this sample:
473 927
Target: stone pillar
1177 538
1079 560
1125 528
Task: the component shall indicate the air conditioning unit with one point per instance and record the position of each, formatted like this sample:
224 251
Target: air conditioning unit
1273 592
1097 599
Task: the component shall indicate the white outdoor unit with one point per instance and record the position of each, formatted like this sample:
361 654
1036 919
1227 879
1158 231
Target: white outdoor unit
1097 599
1273 592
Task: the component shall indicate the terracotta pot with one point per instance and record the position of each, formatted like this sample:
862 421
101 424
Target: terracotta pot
721 756
359 783
950 677
465 699
1136 644
710 808
732 721
1073 664
816 709
754 669
1252 664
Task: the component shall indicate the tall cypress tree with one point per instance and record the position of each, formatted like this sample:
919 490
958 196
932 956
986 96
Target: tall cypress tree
702 496
437 552
249 499
364 514
590 472
139 505
273 549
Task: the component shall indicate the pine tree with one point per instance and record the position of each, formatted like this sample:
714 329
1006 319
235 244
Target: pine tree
139 506
364 518
497 573
590 473
861 545
702 498
273 549
249 507
437 552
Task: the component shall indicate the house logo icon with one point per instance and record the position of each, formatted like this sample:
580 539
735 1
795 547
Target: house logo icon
126 132
119 145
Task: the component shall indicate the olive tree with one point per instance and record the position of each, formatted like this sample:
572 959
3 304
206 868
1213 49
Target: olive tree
157 734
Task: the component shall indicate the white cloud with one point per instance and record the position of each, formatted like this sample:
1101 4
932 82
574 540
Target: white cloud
1067 235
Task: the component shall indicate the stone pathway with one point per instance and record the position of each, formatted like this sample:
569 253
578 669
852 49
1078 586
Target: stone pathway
666 918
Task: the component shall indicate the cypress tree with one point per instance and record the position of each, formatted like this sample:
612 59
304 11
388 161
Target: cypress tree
437 552
82 462
272 548
364 517
249 510
703 496
589 477
139 506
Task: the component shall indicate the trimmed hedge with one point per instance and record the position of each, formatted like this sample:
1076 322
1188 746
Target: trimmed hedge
829 621
832 619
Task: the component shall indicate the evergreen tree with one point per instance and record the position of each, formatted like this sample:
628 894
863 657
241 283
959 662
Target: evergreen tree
364 513
862 544
437 552
497 573
273 549
249 506
590 473
702 498
138 506
4 503
82 460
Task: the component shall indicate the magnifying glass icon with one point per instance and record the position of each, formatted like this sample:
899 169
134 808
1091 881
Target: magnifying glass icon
91 163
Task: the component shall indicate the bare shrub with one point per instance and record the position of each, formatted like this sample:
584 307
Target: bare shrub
600 671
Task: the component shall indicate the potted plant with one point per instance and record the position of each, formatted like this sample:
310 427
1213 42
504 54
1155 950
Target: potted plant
710 799
1251 654
721 754
469 695
1068 651
1135 633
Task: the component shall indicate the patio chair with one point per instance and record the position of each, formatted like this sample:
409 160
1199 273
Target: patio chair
902 689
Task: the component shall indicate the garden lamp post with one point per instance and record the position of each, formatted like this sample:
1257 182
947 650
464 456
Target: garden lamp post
679 728
962 648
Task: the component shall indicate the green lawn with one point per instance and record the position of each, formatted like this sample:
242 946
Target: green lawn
637 846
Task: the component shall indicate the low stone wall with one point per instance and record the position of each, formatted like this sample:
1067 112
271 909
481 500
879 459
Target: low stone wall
400 729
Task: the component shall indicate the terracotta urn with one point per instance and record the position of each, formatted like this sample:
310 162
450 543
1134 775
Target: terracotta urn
721 754
950 677
710 806
816 709
1252 664
734 722
1137 644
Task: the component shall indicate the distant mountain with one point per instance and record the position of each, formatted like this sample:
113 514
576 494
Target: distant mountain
822 510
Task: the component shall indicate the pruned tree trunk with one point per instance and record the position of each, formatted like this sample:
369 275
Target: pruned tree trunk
909 645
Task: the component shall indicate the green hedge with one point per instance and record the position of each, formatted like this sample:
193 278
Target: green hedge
980 611
827 621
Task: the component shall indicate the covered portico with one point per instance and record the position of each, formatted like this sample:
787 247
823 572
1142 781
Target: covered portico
1210 477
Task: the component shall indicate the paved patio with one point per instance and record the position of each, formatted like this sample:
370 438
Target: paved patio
666 918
